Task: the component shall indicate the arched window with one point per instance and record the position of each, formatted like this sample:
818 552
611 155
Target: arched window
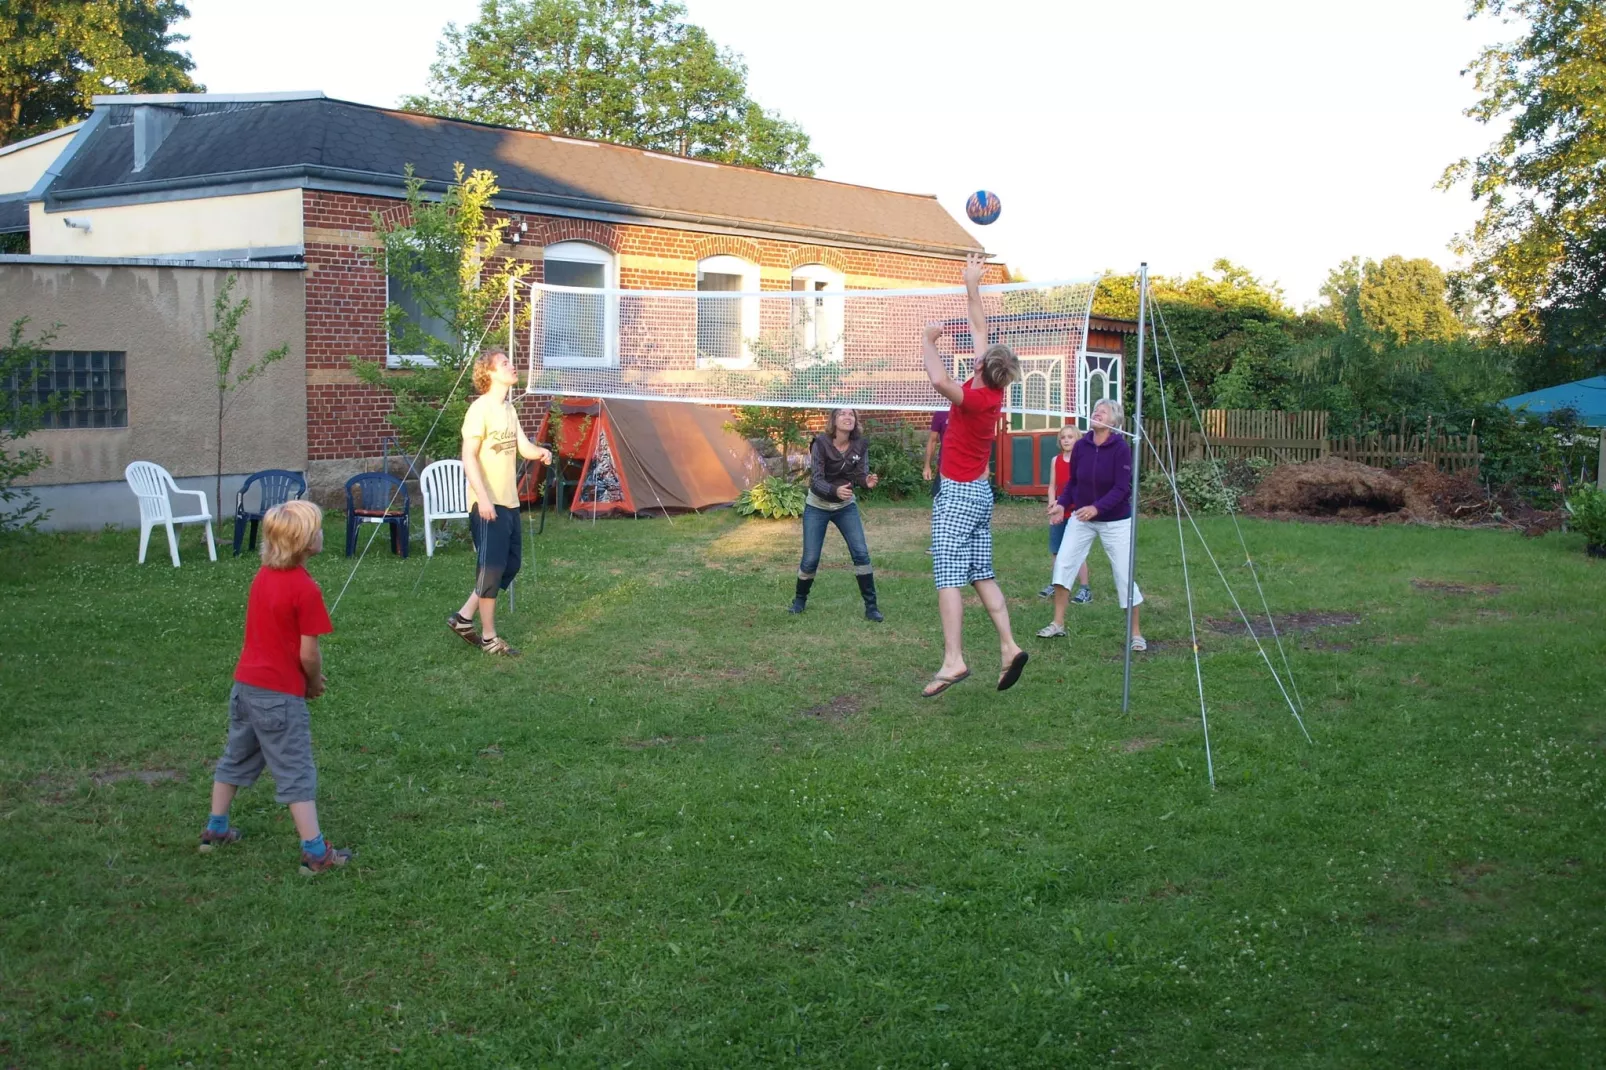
726 326
579 329
817 312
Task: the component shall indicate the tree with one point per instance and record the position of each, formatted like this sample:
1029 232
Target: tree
626 71
225 341
440 255
784 427
56 55
1396 302
1536 247
22 412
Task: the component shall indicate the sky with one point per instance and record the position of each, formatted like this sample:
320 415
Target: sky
1283 135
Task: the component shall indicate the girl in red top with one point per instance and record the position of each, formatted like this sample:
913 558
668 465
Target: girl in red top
962 516
280 667
1059 476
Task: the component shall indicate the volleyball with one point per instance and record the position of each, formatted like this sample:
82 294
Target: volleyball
983 207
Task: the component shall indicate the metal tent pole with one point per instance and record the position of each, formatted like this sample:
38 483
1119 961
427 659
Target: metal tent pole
1137 455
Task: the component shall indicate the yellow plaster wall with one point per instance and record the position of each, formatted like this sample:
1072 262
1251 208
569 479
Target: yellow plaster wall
21 169
250 220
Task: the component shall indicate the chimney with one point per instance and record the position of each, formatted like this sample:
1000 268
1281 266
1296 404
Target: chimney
152 124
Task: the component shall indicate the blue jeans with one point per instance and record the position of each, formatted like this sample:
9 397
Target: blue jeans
848 522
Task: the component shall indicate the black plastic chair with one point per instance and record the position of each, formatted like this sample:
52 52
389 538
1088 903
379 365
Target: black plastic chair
378 498
277 487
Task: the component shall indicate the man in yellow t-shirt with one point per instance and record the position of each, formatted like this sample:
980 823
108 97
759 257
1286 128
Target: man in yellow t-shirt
493 442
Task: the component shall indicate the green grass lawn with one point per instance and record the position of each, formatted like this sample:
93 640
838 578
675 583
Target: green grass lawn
687 829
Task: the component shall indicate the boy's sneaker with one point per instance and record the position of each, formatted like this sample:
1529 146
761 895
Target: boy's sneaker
333 858
1046 592
463 628
1082 596
210 839
497 645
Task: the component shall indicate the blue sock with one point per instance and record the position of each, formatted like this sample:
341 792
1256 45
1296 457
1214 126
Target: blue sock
217 823
315 846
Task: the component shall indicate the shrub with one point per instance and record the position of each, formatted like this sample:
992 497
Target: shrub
897 456
774 498
1586 509
1534 458
1206 486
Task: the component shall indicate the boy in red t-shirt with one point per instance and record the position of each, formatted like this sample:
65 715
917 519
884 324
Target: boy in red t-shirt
962 516
280 667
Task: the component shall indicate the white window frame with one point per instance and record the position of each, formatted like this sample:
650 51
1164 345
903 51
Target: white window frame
726 264
584 252
834 308
400 360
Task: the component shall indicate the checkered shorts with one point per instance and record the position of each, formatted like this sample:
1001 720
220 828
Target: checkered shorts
962 533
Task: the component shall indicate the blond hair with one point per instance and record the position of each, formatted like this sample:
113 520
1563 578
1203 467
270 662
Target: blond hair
482 368
1074 431
288 531
998 367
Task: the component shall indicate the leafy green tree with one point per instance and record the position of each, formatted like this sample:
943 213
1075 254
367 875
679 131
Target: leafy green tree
1537 246
56 55
224 338
626 71
1394 302
22 412
443 256
1216 321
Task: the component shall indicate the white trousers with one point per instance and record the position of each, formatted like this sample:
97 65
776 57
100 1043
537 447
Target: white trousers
1116 535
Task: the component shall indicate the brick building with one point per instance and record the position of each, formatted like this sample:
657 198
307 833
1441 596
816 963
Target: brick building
207 181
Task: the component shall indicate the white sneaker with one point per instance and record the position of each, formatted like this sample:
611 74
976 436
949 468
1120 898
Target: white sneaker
1139 644
1053 631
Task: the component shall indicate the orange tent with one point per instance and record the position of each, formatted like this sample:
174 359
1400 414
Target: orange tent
643 458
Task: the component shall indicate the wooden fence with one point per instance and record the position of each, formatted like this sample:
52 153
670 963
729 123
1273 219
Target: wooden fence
1291 437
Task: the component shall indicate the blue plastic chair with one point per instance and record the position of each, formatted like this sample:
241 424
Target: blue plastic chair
378 498
277 486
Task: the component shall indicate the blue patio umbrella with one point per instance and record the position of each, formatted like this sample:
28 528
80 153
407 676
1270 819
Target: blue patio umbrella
1588 396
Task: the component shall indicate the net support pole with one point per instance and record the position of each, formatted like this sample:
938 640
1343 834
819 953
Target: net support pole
1137 456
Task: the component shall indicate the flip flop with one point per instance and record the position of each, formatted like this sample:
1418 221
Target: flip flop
1012 674
946 682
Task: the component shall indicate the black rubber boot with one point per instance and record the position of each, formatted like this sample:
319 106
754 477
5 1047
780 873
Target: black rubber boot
867 589
801 602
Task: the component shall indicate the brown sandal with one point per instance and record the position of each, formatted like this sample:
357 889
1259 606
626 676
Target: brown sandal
945 681
463 629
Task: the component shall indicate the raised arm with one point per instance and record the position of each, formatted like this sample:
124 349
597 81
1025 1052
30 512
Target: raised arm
974 264
936 370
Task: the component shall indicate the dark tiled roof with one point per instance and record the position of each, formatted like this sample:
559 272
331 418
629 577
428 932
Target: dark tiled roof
333 140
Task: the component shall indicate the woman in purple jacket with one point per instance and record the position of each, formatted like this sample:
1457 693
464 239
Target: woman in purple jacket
1098 497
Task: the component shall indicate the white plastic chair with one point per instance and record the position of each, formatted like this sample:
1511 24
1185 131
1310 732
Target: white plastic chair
152 484
445 488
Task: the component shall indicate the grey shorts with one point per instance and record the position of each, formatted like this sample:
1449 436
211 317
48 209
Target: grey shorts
273 729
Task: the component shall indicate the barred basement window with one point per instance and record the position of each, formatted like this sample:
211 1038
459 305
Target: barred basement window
93 383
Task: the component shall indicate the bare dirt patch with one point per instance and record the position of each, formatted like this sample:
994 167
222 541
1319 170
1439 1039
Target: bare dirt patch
1445 587
835 711
1133 745
658 741
1303 621
145 776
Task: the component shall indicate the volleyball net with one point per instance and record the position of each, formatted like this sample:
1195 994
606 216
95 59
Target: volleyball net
811 346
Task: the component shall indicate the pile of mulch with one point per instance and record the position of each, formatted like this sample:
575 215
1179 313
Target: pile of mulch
1337 490
1332 489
